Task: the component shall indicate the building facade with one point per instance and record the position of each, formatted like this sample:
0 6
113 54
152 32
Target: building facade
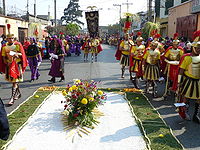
162 13
182 20
19 27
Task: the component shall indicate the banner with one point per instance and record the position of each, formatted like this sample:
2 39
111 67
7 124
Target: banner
92 19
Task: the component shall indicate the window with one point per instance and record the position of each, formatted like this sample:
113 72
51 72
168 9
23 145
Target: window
182 1
168 4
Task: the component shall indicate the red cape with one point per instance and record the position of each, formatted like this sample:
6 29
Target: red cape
118 52
13 65
99 48
175 82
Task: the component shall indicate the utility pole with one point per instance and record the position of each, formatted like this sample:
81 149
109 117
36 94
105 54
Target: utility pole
35 8
49 13
55 13
4 7
127 4
120 10
150 10
27 6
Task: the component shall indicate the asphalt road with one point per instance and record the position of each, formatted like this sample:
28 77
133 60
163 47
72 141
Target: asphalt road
107 71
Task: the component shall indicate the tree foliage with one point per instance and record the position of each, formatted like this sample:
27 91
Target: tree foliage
72 29
148 28
72 13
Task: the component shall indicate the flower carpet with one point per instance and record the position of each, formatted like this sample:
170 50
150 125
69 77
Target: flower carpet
116 130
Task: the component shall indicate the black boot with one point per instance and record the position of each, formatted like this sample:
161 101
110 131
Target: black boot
62 79
123 70
154 92
147 87
196 117
135 82
52 80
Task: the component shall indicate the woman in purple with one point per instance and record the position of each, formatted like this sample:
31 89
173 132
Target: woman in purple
32 53
57 65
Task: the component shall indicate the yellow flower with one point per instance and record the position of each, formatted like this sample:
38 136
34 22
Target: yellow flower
64 93
100 92
91 99
36 96
109 89
78 81
161 135
84 101
74 87
137 98
70 89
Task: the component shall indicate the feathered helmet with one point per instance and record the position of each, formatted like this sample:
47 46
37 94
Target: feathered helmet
9 35
156 37
139 38
196 37
175 41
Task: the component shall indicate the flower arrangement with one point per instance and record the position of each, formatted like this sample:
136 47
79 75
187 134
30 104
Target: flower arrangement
81 100
128 22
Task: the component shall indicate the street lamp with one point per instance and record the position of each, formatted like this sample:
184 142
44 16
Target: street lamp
120 9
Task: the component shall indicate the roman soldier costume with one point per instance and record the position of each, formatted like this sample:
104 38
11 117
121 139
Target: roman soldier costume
172 57
189 81
124 47
13 63
137 52
151 67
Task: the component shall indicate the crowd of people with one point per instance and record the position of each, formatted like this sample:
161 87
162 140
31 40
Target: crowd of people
16 56
159 59
156 59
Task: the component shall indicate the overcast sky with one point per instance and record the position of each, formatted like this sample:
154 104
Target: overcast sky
109 14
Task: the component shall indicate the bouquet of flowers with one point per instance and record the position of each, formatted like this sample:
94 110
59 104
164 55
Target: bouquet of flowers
81 100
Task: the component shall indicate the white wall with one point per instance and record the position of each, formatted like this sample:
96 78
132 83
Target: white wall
177 2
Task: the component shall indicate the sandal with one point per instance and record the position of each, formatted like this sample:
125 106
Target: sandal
10 103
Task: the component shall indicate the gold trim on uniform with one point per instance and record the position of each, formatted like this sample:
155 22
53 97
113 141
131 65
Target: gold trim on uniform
190 87
124 61
151 72
174 55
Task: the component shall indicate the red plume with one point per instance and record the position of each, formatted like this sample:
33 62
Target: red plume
157 36
8 26
154 32
139 33
175 35
196 34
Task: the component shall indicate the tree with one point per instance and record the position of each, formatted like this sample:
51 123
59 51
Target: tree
72 13
72 29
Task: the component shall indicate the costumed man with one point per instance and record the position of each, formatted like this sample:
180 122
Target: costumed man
137 52
124 47
189 81
94 49
32 53
57 63
86 49
13 63
172 57
151 66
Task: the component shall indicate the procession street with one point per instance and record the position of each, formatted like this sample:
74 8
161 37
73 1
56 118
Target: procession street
107 71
